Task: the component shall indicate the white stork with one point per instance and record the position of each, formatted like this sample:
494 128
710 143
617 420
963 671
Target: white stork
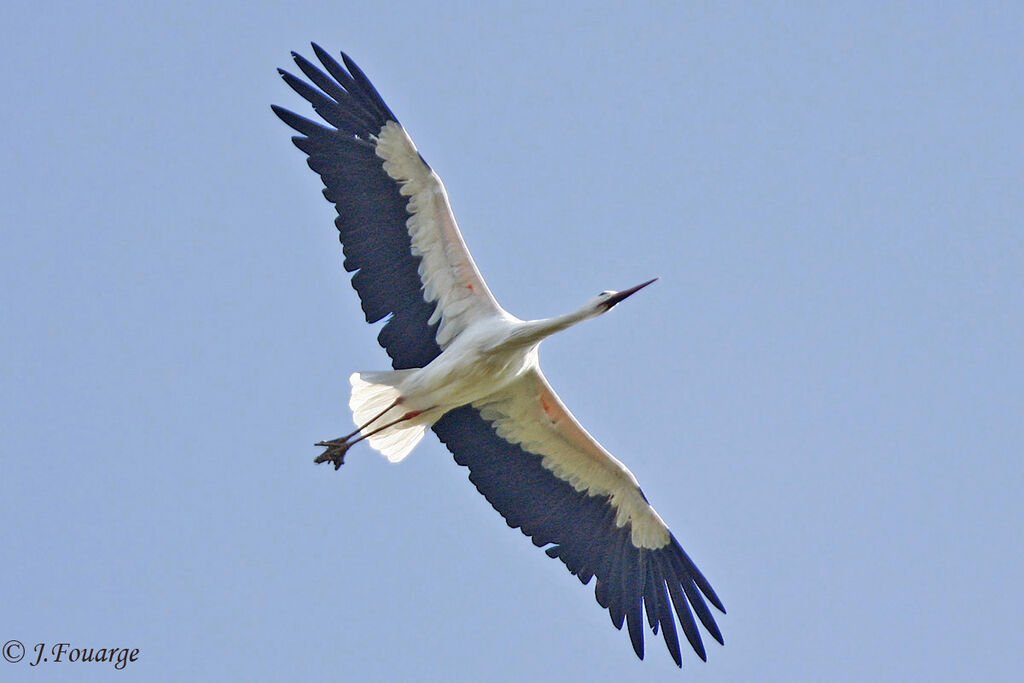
469 370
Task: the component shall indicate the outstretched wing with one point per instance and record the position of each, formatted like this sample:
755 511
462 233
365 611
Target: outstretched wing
396 226
546 475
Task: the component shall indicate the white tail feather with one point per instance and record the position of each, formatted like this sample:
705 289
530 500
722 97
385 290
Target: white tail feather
372 392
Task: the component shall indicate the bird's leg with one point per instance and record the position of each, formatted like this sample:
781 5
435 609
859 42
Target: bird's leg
336 448
408 416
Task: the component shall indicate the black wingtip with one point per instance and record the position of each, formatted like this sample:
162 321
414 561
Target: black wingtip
296 122
323 55
698 578
710 595
635 624
281 112
317 50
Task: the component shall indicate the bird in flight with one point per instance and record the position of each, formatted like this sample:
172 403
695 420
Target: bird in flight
469 370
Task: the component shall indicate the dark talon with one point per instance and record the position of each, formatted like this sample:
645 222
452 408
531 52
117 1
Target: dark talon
335 452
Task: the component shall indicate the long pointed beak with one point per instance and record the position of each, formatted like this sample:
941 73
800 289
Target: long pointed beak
625 293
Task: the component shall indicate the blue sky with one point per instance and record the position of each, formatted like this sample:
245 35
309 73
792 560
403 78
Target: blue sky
822 395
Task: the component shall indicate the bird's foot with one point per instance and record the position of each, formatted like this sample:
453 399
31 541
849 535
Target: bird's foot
335 452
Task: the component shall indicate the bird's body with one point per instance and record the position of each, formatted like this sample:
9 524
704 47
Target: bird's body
484 359
469 370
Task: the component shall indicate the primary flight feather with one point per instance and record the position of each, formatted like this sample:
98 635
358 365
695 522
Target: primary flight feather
469 370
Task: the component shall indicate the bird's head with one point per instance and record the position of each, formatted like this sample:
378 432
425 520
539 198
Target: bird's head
606 300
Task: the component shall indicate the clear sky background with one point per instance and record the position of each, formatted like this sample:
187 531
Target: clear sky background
823 395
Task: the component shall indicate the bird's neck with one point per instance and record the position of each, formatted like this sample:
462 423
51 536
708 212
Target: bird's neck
532 332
